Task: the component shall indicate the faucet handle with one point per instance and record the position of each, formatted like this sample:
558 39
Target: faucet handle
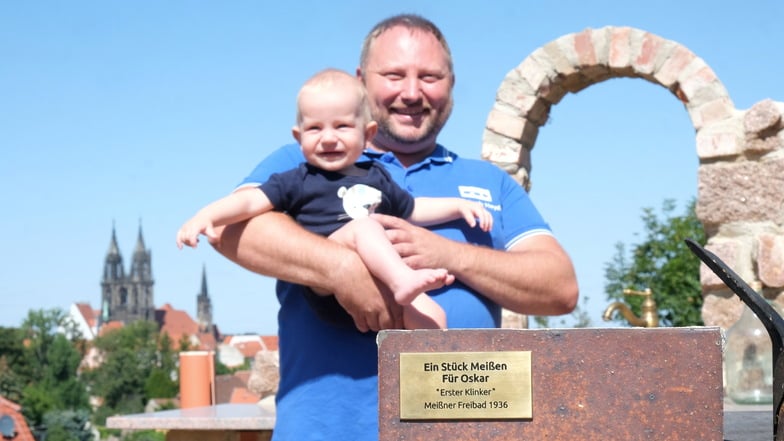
631 292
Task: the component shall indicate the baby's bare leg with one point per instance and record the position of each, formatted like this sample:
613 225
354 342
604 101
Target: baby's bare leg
367 237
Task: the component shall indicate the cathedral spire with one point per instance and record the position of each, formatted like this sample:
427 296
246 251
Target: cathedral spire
140 240
113 264
204 304
141 265
204 281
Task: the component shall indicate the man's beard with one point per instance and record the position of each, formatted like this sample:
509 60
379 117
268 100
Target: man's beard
431 129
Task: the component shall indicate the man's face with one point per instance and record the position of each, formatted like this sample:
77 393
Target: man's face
409 86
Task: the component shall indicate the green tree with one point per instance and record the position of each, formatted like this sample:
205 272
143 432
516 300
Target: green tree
130 354
162 381
68 425
14 367
663 263
51 379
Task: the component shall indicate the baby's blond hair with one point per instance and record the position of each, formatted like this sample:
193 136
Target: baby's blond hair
331 77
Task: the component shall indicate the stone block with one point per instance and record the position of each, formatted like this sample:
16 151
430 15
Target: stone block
761 118
712 112
728 251
703 87
505 124
587 384
619 57
669 71
499 148
741 191
718 144
583 47
644 61
559 59
770 260
721 308
265 375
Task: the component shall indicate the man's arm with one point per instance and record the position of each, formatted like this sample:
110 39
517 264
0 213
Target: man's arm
273 244
535 277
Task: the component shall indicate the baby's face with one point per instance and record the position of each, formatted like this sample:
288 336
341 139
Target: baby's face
331 134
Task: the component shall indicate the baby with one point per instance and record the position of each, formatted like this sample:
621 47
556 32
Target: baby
333 195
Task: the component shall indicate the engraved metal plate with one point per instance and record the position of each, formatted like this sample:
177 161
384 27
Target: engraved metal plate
465 385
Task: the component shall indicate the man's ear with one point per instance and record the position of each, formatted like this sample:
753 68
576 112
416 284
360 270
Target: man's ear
371 128
296 133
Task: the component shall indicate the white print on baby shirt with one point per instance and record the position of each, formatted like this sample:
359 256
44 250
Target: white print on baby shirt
359 200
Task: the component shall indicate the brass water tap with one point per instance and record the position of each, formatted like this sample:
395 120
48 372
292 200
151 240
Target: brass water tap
649 317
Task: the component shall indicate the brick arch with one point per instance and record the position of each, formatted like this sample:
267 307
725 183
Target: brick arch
576 61
740 197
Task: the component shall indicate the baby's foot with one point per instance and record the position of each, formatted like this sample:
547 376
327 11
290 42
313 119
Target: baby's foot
424 313
419 281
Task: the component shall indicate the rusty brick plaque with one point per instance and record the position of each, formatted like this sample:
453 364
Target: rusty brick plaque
588 384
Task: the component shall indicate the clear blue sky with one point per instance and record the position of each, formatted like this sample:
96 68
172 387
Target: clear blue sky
121 112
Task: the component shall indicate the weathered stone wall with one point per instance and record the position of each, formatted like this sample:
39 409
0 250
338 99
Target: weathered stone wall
740 195
265 374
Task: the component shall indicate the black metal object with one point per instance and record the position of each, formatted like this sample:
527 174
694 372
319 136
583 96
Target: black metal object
772 321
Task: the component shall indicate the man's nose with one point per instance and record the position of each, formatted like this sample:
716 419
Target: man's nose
411 89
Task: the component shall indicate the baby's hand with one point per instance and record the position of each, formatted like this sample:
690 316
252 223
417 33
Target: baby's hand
475 213
189 232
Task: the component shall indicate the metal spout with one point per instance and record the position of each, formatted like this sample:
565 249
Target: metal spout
649 318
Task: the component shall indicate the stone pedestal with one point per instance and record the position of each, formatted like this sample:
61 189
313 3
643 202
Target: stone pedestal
588 384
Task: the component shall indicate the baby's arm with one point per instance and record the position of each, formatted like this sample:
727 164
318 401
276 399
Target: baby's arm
238 206
433 211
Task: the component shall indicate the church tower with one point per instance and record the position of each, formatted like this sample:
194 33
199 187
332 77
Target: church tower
204 305
112 290
140 282
127 298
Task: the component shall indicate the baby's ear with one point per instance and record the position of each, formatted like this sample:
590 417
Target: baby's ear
296 133
371 128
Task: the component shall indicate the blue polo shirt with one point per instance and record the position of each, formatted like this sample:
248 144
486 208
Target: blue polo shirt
328 386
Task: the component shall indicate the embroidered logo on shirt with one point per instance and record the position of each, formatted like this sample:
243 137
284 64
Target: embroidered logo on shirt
359 200
478 193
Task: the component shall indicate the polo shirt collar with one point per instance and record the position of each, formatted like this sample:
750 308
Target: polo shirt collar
440 155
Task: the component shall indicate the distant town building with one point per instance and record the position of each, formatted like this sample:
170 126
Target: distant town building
13 425
129 297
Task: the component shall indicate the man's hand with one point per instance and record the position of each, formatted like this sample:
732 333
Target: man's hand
534 277
365 299
418 247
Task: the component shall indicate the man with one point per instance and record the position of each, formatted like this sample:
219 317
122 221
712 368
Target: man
328 386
